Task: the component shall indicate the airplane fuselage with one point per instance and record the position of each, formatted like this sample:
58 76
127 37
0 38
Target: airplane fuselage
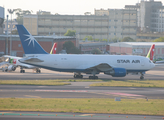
79 63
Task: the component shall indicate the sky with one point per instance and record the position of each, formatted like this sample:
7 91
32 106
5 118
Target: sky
63 7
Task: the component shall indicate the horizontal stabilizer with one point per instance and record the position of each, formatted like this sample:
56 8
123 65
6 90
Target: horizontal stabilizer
31 60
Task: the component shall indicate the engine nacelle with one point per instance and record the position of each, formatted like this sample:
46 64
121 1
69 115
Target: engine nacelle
11 68
117 72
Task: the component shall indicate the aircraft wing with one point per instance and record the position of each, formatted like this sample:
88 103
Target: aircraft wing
101 67
30 60
3 63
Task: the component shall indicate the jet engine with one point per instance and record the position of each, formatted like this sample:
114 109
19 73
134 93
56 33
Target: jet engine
11 68
116 72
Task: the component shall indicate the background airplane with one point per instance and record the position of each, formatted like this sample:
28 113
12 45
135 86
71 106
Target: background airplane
114 65
54 49
150 54
10 63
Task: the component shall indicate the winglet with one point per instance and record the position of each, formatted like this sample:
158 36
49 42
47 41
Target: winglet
150 54
30 45
54 48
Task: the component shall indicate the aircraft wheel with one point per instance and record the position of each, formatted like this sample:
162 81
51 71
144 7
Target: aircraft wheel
141 77
3 69
37 71
74 76
81 76
93 77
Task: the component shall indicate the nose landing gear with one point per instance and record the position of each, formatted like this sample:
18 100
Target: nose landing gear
142 76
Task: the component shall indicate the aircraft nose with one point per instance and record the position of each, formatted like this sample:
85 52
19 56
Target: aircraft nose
152 65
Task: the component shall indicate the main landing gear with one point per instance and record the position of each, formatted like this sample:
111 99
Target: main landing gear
94 73
93 77
38 71
78 75
21 70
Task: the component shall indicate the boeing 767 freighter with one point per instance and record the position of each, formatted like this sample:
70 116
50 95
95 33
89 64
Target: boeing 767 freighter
114 65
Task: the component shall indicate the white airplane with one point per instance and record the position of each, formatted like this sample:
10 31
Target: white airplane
114 65
12 63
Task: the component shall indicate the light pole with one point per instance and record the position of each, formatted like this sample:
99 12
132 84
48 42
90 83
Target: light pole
7 47
11 12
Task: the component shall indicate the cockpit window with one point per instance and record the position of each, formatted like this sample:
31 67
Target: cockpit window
149 61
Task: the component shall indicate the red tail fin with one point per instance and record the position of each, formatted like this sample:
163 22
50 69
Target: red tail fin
54 48
150 54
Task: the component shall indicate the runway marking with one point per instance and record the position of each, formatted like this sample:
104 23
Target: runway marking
132 88
82 91
86 87
125 94
32 96
86 114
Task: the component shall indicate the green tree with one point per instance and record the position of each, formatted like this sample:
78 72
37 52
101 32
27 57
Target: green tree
88 38
115 39
70 48
105 40
96 51
20 13
161 39
127 39
14 32
70 33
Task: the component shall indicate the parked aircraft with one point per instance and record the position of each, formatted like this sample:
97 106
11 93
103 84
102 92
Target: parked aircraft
54 49
150 54
12 62
114 65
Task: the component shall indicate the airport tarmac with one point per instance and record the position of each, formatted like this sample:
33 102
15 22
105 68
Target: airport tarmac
156 73
69 91
71 116
76 90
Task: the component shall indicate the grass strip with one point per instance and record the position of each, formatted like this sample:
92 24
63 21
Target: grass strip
132 83
45 82
84 105
119 83
32 82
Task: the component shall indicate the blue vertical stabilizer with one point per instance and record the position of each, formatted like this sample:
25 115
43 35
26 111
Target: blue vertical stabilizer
30 45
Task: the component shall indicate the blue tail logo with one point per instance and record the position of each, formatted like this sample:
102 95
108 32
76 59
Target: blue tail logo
30 45
31 39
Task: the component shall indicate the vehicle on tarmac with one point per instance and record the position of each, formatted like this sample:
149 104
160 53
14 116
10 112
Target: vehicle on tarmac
114 65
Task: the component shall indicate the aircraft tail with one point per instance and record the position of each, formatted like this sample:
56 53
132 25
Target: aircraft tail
30 45
54 48
150 54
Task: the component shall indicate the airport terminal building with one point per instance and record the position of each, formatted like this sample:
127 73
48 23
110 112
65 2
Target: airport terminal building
118 23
